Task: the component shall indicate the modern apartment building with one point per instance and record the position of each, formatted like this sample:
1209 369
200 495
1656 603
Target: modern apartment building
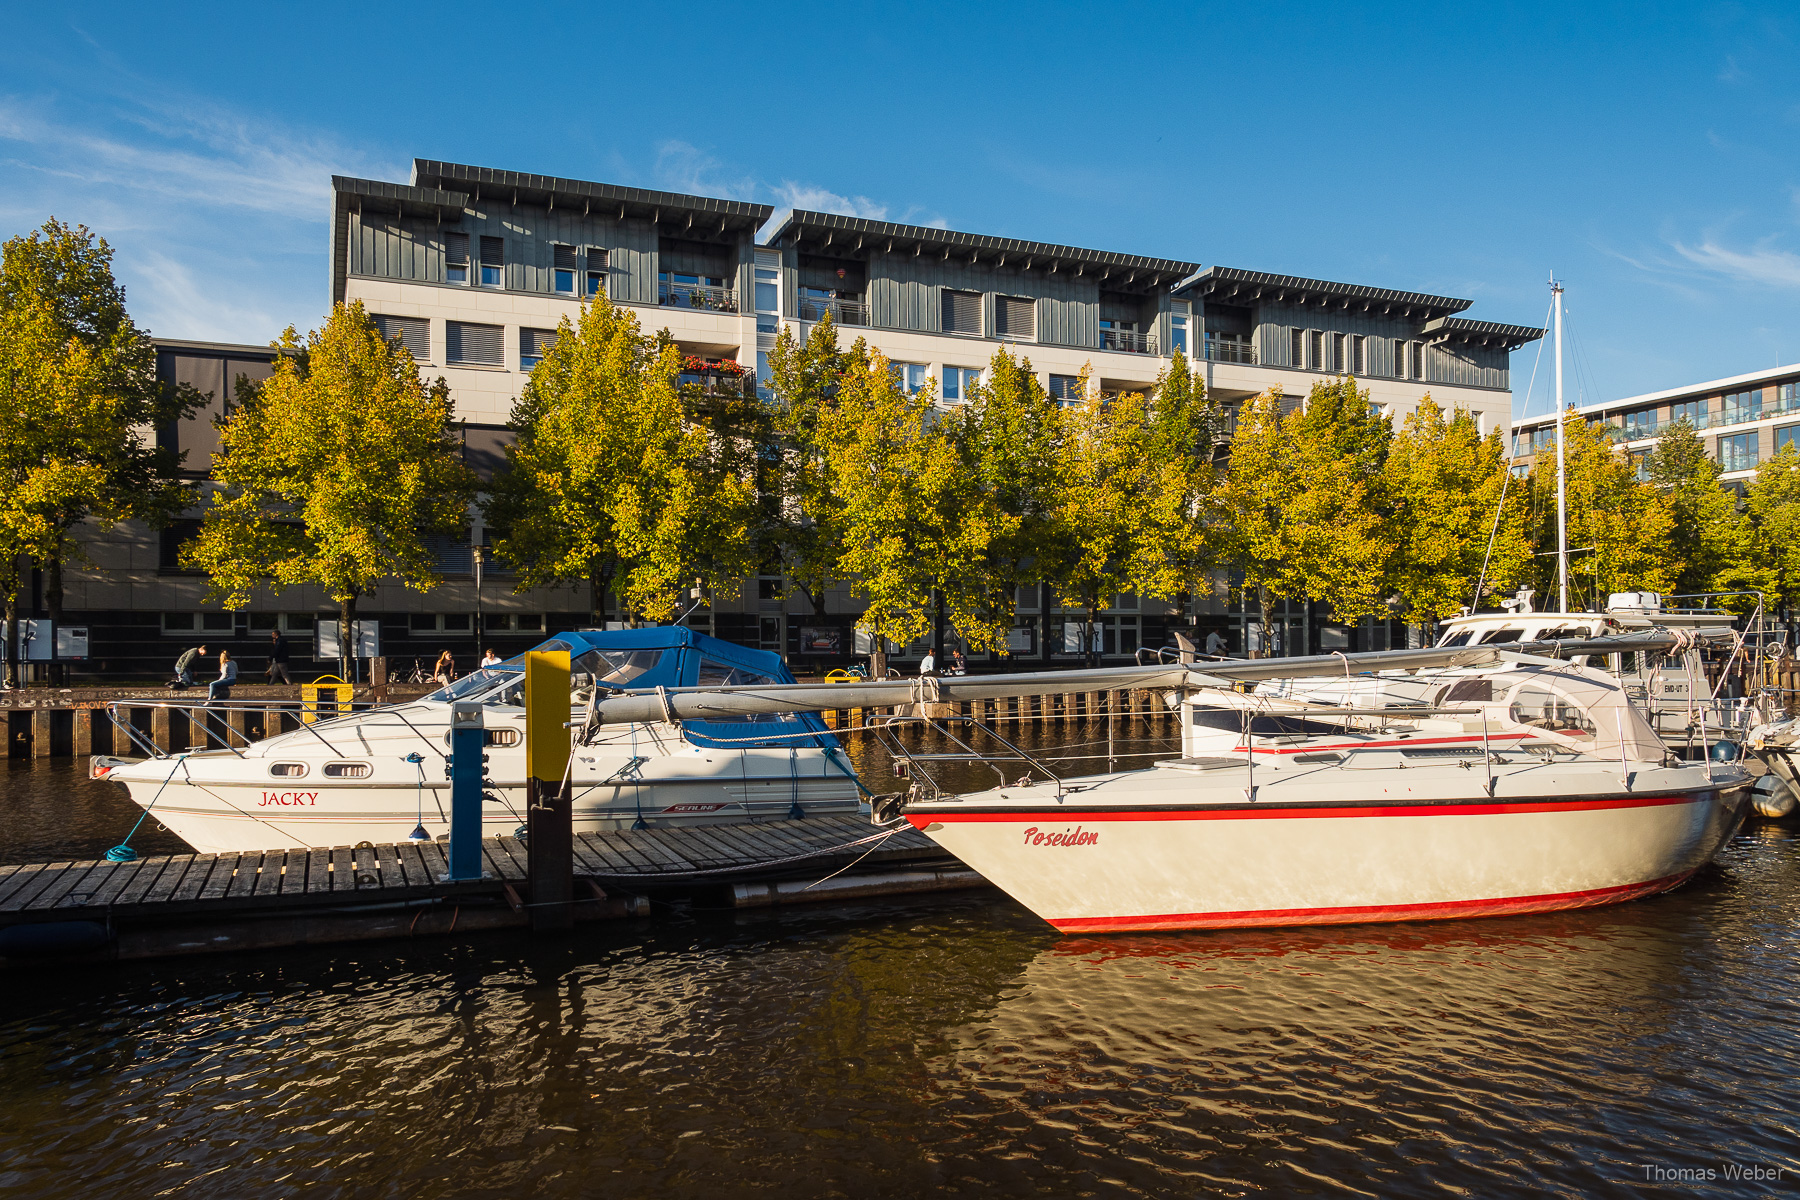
473 268
1743 419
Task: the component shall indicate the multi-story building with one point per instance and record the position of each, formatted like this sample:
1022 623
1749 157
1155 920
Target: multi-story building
1743 420
473 269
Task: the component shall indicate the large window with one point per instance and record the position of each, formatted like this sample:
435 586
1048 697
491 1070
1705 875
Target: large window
1400 356
1337 352
1178 333
1743 406
958 380
1066 388
767 290
493 262
962 312
1787 436
1356 355
1640 424
1296 347
456 258
596 271
910 376
1315 350
468 344
1418 360
533 345
1015 317
412 332
563 269
1738 452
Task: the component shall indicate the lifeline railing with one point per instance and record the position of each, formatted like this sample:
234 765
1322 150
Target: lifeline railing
208 718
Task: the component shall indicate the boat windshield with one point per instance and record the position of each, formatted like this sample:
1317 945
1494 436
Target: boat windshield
1541 707
502 682
617 667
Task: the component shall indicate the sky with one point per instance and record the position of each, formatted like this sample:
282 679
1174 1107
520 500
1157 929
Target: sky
1644 153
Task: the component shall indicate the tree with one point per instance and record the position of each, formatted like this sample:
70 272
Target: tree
613 481
916 526
1445 481
1710 535
80 390
1184 431
332 471
805 524
1619 528
1771 562
1303 498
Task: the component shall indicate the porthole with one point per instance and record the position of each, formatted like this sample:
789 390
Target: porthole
348 770
501 737
290 770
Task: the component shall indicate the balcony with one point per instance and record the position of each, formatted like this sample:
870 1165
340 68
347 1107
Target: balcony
1127 341
1227 349
843 311
700 296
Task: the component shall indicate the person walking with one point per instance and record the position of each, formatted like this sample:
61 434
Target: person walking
444 672
184 666
278 658
220 688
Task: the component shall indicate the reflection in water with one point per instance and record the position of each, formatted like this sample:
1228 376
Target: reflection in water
955 1044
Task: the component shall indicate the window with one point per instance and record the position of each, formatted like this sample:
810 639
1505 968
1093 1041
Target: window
596 271
767 292
1066 388
1418 360
512 622
1296 347
1356 355
346 770
1694 411
456 258
1743 406
1015 317
959 380
533 345
288 770
1337 352
563 269
1541 708
467 344
910 376
1399 358
1640 463
414 333
1784 437
1640 424
1738 452
1178 332
962 312
1315 356
493 262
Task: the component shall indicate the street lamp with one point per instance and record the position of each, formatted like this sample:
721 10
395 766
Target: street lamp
475 552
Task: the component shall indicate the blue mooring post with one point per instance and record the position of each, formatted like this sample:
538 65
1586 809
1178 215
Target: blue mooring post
467 752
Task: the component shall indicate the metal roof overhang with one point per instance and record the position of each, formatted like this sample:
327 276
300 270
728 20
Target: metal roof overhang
835 234
673 211
1233 285
396 198
1486 333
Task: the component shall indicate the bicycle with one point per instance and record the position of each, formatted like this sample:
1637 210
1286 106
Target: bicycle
418 674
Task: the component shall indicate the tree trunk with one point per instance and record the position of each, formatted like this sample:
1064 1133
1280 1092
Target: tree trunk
1092 655
12 629
53 603
346 636
1266 606
937 628
597 598
877 656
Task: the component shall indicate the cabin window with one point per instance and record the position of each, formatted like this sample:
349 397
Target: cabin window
1466 690
717 674
1541 708
348 770
290 770
1456 639
1500 636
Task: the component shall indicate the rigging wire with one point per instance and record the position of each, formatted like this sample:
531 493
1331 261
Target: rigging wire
1511 448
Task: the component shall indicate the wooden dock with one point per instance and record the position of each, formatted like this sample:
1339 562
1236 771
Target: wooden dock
197 903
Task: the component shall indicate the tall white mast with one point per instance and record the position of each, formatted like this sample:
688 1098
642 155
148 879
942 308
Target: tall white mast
1562 492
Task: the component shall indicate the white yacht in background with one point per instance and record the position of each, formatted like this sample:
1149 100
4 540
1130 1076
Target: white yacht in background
379 774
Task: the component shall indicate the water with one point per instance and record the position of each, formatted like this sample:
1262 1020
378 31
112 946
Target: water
951 1045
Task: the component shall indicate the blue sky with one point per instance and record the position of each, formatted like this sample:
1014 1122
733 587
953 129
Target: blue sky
1646 153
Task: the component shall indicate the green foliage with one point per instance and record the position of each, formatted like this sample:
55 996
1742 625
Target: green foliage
1710 535
614 481
1182 493
806 521
78 393
1304 499
1619 528
332 470
1444 482
1771 561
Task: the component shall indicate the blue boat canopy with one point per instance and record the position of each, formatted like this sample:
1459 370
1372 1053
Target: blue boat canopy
674 656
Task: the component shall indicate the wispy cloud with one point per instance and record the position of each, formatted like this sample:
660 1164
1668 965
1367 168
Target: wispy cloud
1764 263
684 167
817 199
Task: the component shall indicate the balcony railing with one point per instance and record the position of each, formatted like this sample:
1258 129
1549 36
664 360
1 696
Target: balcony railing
697 295
1128 341
1230 350
843 312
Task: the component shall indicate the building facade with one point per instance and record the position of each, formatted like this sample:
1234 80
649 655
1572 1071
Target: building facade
1744 420
473 269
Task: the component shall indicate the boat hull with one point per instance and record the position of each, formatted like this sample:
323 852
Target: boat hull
1227 866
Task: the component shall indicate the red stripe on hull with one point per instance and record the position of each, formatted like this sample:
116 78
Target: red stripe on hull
1251 813
1444 910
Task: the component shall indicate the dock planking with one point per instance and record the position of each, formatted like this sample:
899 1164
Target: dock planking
227 885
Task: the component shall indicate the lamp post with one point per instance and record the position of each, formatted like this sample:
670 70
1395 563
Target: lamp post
475 553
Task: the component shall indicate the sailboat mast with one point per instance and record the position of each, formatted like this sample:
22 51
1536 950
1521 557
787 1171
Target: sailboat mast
1562 489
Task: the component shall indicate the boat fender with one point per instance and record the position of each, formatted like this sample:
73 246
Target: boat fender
1773 797
1723 751
53 939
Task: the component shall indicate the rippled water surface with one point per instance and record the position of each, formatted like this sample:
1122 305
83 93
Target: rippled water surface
954 1045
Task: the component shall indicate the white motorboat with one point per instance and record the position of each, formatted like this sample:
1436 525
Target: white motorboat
1549 792
379 774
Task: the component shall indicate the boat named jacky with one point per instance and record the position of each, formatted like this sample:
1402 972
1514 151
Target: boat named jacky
1546 789
376 775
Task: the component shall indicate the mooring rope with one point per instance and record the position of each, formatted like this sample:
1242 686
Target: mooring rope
123 853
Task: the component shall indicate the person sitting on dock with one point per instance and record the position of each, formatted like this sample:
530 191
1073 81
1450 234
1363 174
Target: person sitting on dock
184 666
220 688
928 664
490 659
444 672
